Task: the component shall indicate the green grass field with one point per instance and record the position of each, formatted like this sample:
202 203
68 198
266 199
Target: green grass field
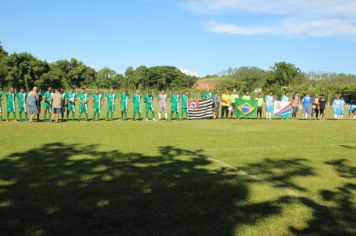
209 177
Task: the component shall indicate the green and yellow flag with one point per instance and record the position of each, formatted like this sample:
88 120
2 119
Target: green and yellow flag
245 108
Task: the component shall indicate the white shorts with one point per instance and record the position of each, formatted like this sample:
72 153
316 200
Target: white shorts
162 108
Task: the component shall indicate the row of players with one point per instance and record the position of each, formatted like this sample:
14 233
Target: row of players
56 102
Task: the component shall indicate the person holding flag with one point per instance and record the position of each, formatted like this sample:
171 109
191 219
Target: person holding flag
225 103
233 96
148 100
295 105
162 105
83 105
124 101
285 97
246 96
48 97
269 100
136 100
10 104
97 103
110 104
207 94
260 102
70 98
21 104
175 104
184 101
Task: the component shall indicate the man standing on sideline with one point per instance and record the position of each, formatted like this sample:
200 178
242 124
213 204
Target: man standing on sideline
295 105
148 100
307 100
175 98
21 104
110 104
269 105
322 106
70 98
234 95
83 105
97 103
63 105
216 104
260 102
207 94
124 100
57 105
10 104
315 107
225 103
162 105
32 103
184 100
48 96
136 100
38 104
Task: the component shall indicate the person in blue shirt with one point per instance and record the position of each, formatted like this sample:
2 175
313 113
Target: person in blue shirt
338 107
306 102
269 105
285 97
352 111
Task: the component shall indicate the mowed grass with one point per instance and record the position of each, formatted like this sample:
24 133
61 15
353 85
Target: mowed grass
209 177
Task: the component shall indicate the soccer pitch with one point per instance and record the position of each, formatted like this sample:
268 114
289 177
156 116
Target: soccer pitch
208 177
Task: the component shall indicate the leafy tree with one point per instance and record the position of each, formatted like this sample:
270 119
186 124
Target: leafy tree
283 74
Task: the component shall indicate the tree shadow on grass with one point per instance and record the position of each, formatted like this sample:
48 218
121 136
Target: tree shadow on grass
61 189
338 218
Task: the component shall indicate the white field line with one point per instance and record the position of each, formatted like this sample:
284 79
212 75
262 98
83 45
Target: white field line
283 146
289 191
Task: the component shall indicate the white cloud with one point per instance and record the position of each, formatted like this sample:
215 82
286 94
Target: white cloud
188 72
315 18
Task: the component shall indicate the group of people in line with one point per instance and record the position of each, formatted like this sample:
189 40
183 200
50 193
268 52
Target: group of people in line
312 106
57 103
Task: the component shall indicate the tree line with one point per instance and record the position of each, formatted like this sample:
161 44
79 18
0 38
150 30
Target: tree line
25 70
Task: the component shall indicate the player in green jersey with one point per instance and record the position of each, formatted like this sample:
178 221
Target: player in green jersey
110 104
97 104
148 99
47 106
184 100
21 104
70 99
136 100
175 104
83 105
0 106
124 102
10 104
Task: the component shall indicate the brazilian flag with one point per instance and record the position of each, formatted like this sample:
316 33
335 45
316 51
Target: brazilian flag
246 108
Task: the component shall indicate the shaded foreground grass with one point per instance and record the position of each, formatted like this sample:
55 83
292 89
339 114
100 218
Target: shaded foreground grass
100 185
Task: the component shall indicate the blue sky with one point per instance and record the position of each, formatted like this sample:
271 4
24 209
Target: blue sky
198 36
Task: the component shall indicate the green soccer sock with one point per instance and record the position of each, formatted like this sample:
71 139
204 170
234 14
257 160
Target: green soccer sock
86 116
20 116
177 115
153 115
73 116
112 115
7 115
26 116
107 115
146 114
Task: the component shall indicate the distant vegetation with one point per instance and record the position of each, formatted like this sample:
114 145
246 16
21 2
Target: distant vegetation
25 70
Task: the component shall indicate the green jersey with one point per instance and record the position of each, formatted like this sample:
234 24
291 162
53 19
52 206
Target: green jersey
83 106
110 100
10 102
97 99
207 95
233 97
174 102
259 102
184 100
148 99
21 101
48 98
70 97
246 97
136 100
